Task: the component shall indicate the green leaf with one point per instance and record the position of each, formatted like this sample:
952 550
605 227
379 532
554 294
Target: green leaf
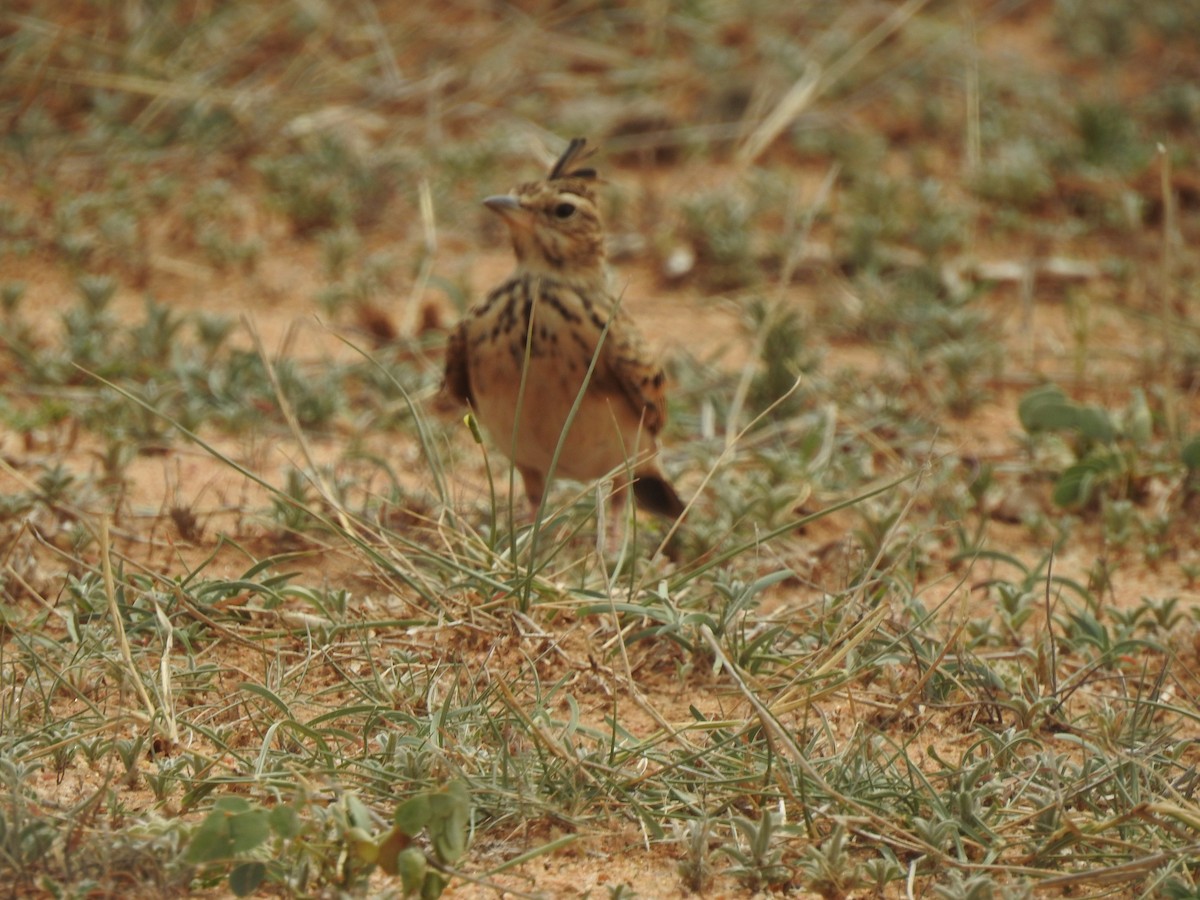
363 847
1095 424
269 696
449 821
411 866
231 803
769 581
1077 483
435 883
211 840
249 829
1191 454
234 826
1139 421
1073 487
1047 408
245 878
357 814
285 821
1043 408
413 815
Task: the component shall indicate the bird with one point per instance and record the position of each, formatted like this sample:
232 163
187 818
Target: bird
554 337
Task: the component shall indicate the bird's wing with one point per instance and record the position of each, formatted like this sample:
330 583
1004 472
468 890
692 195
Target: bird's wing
627 362
456 382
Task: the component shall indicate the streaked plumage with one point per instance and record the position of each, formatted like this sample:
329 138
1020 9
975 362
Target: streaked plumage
550 315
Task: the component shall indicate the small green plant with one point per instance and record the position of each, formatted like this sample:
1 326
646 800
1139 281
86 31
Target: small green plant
25 836
326 185
696 867
1108 134
829 869
1104 30
1019 175
11 293
1114 454
222 227
718 225
443 817
785 356
338 247
957 886
290 507
130 752
758 860
234 831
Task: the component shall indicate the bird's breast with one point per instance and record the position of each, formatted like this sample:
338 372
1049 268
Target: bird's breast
537 318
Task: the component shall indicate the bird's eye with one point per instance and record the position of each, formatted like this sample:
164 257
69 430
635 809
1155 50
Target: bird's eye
564 210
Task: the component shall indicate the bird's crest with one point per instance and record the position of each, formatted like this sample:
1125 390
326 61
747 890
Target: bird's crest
572 155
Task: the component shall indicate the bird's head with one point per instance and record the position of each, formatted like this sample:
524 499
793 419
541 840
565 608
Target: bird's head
555 224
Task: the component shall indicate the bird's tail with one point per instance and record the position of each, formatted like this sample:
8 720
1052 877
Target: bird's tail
654 493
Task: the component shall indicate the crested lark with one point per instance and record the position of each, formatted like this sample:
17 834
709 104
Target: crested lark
542 328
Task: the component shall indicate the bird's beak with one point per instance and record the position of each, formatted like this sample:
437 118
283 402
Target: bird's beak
509 208
504 204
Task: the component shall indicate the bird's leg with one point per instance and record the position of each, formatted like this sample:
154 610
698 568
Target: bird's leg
535 487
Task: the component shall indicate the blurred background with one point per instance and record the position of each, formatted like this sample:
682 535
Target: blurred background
169 143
